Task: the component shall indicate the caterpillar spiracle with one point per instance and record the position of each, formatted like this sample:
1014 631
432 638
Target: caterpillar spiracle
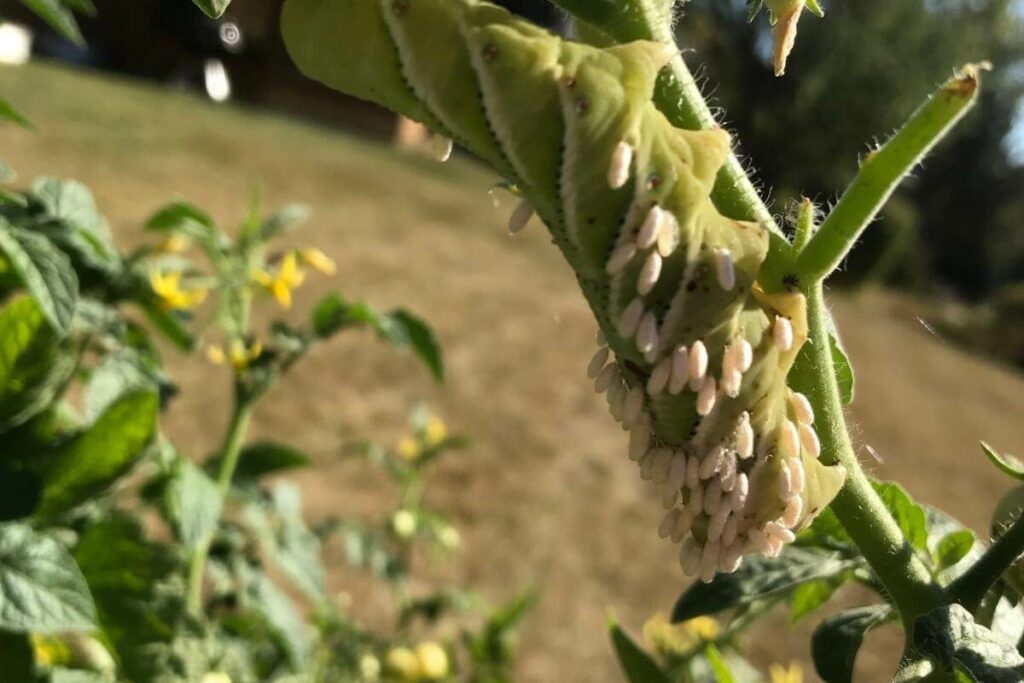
693 354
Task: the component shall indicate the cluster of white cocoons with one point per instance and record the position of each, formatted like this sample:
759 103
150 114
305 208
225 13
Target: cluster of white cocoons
711 489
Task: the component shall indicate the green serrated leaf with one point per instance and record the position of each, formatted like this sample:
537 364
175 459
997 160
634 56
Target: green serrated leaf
1008 464
754 8
835 642
212 8
283 617
409 329
41 587
75 224
815 8
9 113
950 637
137 599
811 596
95 458
118 374
59 17
637 665
953 547
909 515
44 270
260 459
32 367
195 504
759 578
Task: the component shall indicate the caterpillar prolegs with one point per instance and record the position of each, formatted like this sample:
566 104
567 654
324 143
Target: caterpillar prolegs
693 355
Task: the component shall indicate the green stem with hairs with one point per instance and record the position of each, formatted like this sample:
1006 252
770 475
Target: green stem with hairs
970 587
858 507
882 171
677 94
230 452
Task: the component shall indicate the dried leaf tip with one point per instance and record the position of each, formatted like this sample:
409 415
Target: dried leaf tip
784 17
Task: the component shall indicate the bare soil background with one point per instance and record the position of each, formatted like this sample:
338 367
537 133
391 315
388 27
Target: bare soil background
545 494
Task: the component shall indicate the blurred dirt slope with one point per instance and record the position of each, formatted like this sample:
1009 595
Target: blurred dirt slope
545 494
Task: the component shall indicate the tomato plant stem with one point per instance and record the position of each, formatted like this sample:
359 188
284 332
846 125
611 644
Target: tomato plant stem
230 451
970 587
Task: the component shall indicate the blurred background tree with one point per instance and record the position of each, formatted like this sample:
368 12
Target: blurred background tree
854 76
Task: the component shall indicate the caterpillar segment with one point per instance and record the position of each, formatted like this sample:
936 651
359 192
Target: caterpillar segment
692 355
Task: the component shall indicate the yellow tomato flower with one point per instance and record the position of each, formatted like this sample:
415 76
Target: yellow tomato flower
174 244
167 287
408 449
216 677
433 660
678 639
794 674
403 663
240 355
436 431
318 260
369 667
404 524
285 279
449 537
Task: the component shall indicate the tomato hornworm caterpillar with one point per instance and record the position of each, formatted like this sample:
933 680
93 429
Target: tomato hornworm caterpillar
693 354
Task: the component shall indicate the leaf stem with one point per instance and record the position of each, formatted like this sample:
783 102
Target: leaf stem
677 94
882 171
857 506
970 587
232 448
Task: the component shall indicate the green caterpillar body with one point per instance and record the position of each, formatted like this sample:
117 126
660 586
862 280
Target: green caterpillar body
701 354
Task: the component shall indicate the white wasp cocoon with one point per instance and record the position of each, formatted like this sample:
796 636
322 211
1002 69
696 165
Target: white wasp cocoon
649 273
727 472
707 396
785 483
600 339
692 472
698 369
758 541
713 497
809 438
647 465
651 228
732 559
689 556
668 523
668 235
802 409
640 438
779 532
738 497
597 363
717 523
443 147
680 370
618 170
732 382
658 380
683 525
711 462
729 531
662 463
744 355
647 333
630 318
782 334
520 216
789 440
677 471
709 561
695 504
725 269
633 407
745 437
794 511
604 380
796 474
621 256
669 495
